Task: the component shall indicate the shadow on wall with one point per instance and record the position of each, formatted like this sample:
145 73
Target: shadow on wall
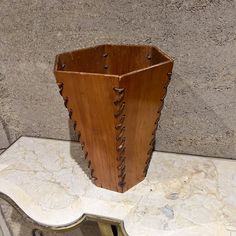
76 150
5 139
187 118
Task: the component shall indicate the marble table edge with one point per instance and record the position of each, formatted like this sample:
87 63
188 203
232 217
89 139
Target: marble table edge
81 217
76 223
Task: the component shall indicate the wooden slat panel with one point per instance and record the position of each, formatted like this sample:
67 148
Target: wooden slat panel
124 59
90 99
89 60
144 91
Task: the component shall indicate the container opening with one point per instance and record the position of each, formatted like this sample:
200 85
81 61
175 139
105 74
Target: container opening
110 59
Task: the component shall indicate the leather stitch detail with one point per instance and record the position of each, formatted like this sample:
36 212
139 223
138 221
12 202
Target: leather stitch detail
120 139
152 142
66 101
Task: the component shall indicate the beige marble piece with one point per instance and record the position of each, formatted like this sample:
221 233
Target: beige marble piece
182 194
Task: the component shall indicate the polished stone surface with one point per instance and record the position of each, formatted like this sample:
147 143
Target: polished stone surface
181 195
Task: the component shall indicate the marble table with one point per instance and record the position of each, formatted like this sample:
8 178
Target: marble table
181 195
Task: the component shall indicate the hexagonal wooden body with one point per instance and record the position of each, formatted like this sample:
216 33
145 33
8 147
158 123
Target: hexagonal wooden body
114 94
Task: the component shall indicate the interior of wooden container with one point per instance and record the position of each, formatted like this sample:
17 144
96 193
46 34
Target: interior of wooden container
110 59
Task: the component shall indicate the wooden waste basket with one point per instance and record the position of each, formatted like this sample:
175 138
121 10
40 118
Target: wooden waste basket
114 95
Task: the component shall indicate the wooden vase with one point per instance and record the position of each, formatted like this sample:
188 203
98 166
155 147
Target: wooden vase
114 95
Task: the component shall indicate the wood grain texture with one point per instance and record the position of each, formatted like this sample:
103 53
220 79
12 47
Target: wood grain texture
115 98
145 92
90 101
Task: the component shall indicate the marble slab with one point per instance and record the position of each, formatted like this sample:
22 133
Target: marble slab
181 195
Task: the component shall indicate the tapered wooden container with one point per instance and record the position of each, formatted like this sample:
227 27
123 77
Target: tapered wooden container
114 94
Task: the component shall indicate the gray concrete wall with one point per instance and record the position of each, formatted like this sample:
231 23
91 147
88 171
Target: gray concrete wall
200 112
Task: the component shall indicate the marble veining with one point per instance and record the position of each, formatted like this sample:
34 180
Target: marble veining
181 195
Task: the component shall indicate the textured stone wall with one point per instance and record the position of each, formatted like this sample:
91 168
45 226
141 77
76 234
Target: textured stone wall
199 116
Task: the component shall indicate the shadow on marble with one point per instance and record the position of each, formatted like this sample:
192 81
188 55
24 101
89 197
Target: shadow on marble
2 150
76 151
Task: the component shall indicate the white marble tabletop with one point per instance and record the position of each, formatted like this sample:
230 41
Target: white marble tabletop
181 195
